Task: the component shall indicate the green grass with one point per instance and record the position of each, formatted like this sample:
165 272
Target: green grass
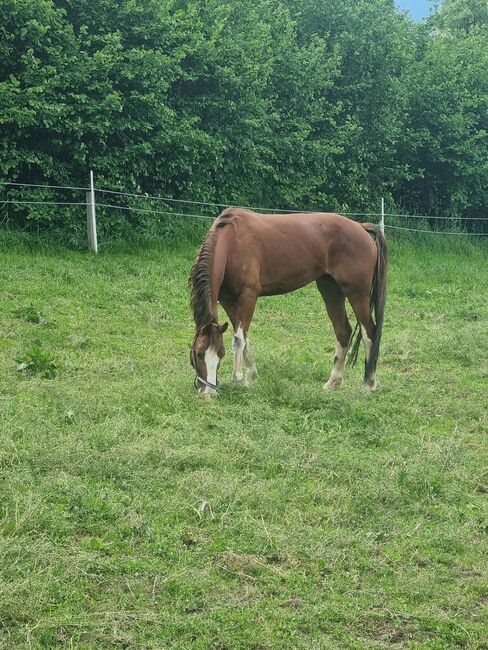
134 514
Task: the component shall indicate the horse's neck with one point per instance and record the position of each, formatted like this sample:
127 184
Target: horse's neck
217 267
208 274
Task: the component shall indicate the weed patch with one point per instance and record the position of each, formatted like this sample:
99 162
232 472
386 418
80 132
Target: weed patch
36 361
31 314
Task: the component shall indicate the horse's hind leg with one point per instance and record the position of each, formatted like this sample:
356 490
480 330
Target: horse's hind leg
362 309
336 308
252 371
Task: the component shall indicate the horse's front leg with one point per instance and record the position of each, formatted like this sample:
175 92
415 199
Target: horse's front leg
240 313
243 357
238 340
238 347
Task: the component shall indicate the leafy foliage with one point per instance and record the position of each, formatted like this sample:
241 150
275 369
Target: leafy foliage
316 104
446 143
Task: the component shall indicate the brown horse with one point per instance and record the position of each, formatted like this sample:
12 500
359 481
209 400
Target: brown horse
246 255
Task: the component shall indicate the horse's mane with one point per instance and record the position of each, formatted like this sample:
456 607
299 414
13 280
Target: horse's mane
230 215
200 281
201 272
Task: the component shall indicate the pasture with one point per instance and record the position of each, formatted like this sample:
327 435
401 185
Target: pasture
134 514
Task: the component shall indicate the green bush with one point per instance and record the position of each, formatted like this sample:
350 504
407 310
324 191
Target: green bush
310 105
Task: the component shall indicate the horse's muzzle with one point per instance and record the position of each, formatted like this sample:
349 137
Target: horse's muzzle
200 384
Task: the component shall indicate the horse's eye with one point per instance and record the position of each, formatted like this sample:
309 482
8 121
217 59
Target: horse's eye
200 355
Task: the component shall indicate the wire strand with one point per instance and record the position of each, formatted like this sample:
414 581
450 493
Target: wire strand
48 187
173 200
437 232
426 216
15 202
200 216
173 214
225 205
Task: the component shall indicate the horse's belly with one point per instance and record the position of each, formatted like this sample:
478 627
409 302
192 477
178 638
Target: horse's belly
285 279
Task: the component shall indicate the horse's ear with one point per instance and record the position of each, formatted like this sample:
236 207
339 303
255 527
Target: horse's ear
206 329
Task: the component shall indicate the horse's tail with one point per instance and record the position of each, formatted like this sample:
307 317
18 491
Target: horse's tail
377 300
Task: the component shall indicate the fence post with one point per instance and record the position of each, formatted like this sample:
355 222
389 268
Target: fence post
91 220
382 220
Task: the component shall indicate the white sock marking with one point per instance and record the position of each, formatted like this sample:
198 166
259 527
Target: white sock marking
238 345
368 345
251 367
337 371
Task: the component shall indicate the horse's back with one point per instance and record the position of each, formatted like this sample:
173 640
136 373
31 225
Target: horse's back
281 253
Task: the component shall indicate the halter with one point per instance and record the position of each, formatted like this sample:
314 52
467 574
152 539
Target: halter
198 378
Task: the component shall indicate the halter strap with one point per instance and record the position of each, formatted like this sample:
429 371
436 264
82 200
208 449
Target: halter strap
205 382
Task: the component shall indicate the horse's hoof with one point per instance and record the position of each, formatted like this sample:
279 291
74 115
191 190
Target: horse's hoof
370 387
332 385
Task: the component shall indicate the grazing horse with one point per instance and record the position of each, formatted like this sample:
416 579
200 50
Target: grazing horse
246 255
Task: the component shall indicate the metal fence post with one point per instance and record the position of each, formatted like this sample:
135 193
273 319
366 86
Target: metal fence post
91 220
382 221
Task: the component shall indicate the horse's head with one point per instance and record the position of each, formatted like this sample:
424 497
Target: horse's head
205 355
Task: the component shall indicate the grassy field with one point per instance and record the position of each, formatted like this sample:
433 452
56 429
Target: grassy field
135 515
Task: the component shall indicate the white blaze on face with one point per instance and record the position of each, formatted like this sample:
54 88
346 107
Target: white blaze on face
212 363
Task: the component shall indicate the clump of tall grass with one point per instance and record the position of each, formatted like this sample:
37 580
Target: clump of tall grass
36 361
